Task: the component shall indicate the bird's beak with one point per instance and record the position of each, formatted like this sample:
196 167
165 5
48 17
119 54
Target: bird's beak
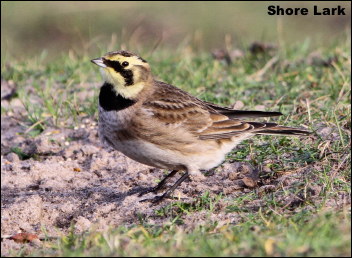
99 62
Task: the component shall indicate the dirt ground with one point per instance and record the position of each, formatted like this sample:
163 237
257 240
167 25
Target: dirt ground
72 179
84 183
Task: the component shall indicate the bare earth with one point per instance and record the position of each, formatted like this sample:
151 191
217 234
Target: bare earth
72 179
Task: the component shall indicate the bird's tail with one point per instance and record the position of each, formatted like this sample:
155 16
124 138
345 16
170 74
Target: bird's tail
282 130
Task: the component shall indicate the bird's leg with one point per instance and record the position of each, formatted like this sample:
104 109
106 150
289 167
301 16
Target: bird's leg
159 186
159 198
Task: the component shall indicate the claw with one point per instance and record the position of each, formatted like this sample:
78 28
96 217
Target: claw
149 190
154 200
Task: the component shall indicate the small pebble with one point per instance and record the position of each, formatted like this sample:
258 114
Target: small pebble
12 157
233 175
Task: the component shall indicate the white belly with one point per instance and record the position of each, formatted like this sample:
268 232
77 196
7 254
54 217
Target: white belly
206 154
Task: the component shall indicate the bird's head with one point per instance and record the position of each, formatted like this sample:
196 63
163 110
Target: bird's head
127 72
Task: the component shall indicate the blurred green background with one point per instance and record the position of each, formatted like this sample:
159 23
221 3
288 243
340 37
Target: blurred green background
29 28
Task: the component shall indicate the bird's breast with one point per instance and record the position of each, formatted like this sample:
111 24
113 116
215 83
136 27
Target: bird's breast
110 100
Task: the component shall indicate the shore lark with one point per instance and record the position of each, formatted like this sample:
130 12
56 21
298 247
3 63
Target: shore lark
162 126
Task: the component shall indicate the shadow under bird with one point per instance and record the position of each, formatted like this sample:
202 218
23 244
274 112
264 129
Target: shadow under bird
160 125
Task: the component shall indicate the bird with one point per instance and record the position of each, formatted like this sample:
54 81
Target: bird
160 125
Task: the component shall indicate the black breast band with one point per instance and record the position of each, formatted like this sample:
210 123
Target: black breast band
110 100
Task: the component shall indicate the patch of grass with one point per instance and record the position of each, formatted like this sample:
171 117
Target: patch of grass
205 202
262 234
23 155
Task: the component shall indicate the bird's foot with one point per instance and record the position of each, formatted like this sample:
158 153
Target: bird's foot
148 190
154 200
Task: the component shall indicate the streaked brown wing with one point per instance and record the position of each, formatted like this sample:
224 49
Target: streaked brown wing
174 108
181 113
203 119
203 123
206 120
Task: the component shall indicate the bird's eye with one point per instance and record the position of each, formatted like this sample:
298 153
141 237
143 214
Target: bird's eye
124 64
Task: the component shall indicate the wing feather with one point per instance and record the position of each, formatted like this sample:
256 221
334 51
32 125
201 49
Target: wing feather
205 120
